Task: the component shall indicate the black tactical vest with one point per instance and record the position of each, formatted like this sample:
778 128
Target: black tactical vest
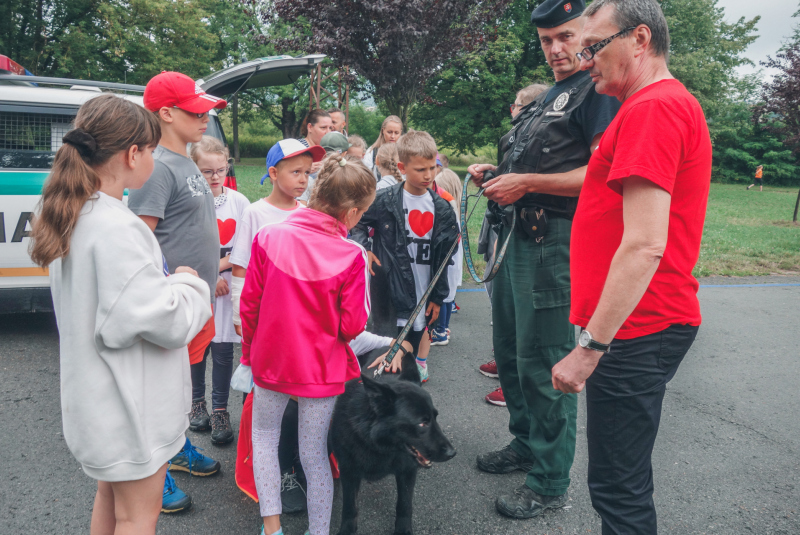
542 143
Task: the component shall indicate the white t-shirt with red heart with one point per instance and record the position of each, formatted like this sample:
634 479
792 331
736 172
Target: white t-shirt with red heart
419 213
229 216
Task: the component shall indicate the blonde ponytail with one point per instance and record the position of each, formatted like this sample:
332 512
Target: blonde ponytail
388 158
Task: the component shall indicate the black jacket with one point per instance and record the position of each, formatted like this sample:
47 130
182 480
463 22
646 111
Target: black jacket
386 216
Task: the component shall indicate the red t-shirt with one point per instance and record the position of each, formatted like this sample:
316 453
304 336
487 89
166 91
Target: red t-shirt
660 134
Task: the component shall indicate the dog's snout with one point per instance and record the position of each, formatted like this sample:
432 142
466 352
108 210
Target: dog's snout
449 452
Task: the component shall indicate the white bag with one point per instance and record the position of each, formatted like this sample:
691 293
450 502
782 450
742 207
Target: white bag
242 379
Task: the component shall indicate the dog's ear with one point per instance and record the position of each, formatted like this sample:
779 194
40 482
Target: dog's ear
380 396
410 371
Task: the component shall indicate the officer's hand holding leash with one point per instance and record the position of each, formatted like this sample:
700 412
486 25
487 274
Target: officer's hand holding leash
504 189
477 170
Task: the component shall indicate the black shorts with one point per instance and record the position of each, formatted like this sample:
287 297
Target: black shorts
758 181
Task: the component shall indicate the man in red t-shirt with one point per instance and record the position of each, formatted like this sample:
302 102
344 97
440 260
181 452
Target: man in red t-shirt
635 240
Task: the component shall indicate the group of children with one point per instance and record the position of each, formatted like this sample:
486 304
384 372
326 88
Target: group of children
143 292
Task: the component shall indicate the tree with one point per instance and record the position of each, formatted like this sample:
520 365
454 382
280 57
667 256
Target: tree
779 112
705 50
109 40
466 104
396 46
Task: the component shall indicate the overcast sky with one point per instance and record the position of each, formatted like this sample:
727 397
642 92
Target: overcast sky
774 27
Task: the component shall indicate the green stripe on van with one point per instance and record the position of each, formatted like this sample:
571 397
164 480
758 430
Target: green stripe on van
22 182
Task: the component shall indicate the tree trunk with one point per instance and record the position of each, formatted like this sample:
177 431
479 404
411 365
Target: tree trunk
290 126
796 206
236 129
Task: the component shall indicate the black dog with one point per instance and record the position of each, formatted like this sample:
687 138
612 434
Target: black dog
382 427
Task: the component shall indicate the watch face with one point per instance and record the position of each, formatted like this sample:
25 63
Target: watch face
584 338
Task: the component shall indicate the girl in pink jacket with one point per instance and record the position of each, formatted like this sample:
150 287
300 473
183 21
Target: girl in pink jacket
305 298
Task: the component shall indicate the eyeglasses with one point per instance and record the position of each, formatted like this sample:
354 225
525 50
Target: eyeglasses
198 115
589 52
221 172
514 106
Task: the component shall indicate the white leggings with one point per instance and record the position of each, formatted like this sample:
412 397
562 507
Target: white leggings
314 421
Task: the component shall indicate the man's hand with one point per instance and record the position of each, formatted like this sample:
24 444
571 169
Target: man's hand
370 259
433 312
238 329
397 361
570 374
222 288
477 170
506 189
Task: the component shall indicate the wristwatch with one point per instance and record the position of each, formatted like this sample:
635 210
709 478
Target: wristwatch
585 340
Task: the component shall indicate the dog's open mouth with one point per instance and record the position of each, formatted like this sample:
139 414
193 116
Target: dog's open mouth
423 462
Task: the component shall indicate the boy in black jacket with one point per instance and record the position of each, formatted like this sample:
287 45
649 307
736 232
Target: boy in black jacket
414 230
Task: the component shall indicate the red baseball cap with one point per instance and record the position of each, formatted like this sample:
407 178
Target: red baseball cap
173 89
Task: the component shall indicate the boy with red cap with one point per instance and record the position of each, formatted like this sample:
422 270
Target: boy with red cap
178 206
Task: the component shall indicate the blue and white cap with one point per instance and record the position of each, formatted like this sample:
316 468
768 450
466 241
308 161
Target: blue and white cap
289 148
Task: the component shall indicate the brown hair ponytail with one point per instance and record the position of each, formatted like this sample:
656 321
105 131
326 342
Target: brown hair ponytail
104 126
344 182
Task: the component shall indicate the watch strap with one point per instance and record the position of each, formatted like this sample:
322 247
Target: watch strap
594 344
597 346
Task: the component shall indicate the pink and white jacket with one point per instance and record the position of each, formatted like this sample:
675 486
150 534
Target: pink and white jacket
305 297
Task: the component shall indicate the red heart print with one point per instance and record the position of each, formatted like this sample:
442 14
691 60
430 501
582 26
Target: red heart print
420 222
226 230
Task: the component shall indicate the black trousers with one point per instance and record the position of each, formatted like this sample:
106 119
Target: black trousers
623 402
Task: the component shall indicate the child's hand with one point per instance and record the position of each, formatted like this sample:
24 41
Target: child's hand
315 167
222 288
186 269
432 312
370 259
238 329
397 361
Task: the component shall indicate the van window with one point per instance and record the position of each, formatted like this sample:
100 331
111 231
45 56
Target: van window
30 140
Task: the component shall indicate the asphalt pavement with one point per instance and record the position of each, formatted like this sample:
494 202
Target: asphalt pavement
725 462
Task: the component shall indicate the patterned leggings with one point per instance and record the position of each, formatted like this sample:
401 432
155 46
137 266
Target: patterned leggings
314 422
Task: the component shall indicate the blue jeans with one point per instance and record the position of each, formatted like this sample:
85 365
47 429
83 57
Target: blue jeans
443 322
623 405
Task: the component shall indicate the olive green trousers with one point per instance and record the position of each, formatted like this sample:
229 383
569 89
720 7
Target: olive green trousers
530 312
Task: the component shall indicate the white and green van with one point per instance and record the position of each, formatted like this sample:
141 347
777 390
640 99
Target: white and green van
35 113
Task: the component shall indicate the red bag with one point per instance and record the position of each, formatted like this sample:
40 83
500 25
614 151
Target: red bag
245 479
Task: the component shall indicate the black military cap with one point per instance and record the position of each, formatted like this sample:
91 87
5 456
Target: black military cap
552 13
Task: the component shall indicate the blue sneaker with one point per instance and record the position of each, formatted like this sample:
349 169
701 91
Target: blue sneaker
439 338
189 459
174 499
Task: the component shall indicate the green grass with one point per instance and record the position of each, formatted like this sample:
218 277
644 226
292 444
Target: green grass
749 232
746 232
248 175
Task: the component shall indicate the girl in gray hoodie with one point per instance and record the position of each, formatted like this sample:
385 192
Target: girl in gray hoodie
123 323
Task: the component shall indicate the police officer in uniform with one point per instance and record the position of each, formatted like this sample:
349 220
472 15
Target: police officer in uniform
540 178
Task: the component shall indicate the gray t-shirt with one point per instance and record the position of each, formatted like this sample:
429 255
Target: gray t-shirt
179 196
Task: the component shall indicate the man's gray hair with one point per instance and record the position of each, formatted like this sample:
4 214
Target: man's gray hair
629 13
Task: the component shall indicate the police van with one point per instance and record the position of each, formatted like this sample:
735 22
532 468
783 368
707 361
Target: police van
36 112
